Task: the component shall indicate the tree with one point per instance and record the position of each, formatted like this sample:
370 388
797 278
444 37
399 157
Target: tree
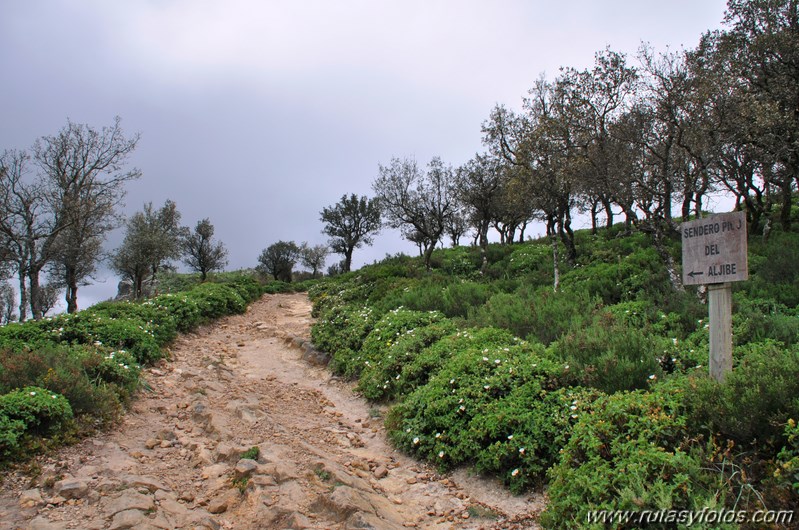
278 259
478 185
48 297
313 257
8 299
83 174
351 223
417 202
152 239
28 225
201 253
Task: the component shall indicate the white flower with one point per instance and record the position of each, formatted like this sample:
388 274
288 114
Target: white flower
522 451
510 437
452 381
652 377
514 472
416 441
441 454
497 361
574 416
438 435
486 387
485 359
33 393
461 408
573 407
53 396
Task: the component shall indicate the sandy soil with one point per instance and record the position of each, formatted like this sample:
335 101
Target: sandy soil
248 381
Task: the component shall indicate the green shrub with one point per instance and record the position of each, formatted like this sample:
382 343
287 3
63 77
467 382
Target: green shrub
433 422
521 435
611 357
755 320
391 328
418 370
10 433
42 411
70 371
381 377
246 285
755 400
788 458
252 453
217 300
540 314
772 269
461 297
275 287
340 331
134 336
632 452
155 317
459 261
184 309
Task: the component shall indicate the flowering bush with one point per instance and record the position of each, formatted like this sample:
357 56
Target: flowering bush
632 452
381 376
437 421
40 410
341 331
156 317
788 458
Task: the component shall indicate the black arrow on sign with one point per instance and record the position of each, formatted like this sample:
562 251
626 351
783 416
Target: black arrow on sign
694 273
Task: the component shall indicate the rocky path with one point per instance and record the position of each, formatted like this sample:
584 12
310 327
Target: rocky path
247 381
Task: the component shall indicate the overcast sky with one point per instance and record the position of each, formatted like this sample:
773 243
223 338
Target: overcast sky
257 114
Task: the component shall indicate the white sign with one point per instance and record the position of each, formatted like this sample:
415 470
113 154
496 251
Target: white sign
714 249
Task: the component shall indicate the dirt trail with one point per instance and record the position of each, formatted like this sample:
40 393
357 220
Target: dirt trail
243 382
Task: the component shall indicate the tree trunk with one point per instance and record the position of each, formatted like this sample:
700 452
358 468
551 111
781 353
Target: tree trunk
787 196
428 253
71 293
23 297
348 258
552 232
483 235
606 204
35 293
567 236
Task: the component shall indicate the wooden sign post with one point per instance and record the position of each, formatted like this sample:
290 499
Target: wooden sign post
714 253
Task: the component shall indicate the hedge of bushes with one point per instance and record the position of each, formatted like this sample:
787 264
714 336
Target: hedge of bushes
597 393
69 374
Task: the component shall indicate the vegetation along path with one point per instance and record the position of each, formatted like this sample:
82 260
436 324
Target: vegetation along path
248 381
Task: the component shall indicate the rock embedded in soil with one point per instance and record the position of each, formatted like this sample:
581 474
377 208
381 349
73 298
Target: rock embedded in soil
71 488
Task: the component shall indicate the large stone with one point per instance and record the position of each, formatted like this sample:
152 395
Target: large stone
152 484
129 499
225 452
281 473
127 519
245 468
218 505
342 503
71 488
30 498
369 521
214 471
42 523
